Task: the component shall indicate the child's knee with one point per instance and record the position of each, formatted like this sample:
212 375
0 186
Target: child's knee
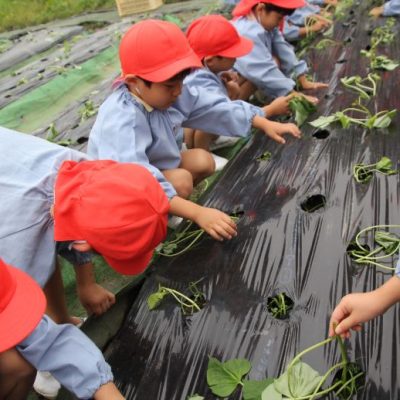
205 164
183 183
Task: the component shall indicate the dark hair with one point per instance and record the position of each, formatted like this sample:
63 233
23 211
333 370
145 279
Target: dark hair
284 11
180 76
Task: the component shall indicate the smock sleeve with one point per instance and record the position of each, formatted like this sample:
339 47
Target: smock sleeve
216 113
122 133
69 355
391 8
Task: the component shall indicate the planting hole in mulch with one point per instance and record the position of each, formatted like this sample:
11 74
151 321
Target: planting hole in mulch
266 156
321 134
368 47
82 140
280 305
341 61
353 250
355 378
313 203
349 39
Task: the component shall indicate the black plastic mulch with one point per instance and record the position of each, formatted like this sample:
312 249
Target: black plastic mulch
163 355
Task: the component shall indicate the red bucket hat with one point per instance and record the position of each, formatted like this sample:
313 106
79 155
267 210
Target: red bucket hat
22 305
156 51
245 6
214 35
120 209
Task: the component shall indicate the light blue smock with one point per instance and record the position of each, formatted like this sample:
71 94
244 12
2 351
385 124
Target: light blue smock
260 68
391 8
317 2
28 169
292 24
204 79
125 131
69 355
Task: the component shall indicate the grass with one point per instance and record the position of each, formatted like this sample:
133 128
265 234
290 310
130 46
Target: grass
16 14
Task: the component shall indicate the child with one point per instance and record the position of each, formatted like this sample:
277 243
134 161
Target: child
94 202
389 9
141 121
29 341
303 21
259 21
216 42
324 2
356 308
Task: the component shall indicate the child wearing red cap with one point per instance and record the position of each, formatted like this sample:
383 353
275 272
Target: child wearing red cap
29 341
52 195
259 22
217 43
142 120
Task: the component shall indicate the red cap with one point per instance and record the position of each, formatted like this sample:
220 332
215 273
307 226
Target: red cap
120 209
156 51
245 6
214 35
22 305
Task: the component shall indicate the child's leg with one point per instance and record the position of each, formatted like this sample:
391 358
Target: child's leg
202 140
181 180
16 376
199 163
56 304
196 164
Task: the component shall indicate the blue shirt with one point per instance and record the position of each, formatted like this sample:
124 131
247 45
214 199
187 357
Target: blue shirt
317 2
292 24
126 131
260 68
69 355
390 8
28 169
204 79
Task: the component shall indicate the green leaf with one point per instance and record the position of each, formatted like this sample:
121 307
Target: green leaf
343 119
270 393
301 108
385 63
384 120
224 377
323 122
195 397
388 241
252 390
303 380
154 300
384 164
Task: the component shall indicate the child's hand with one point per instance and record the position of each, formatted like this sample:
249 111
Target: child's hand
376 12
352 310
231 82
95 298
331 2
318 26
275 130
216 223
306 84
312 99
279 106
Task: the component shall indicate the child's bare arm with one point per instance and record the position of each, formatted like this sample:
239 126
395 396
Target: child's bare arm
306 84
96 299
216 223
275 130
280 106
357 308
108 392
